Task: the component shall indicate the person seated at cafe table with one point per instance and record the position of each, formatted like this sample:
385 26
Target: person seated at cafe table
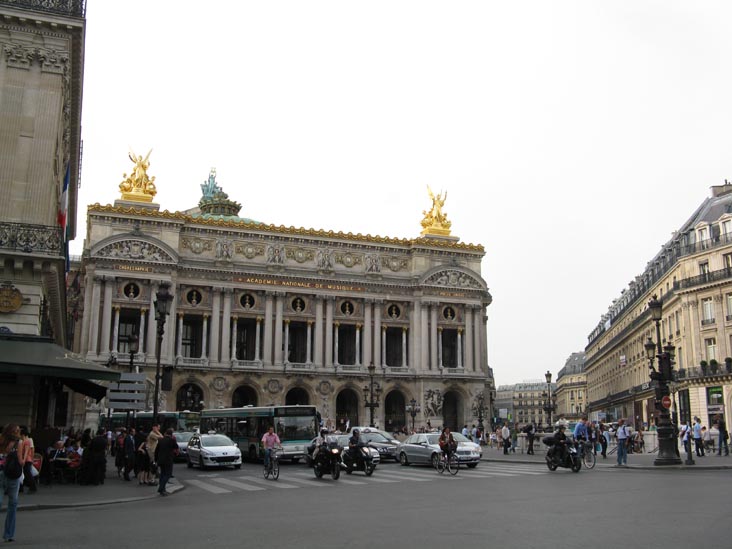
57 460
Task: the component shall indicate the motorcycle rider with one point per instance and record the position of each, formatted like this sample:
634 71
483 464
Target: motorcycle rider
354 447
319 441
560 444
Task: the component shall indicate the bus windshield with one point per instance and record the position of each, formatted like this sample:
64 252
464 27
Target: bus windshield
296 428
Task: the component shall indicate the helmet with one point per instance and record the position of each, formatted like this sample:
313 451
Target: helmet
323 432
355 431
561 427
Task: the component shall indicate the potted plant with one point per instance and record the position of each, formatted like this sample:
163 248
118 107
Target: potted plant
703 365
728 364
713 365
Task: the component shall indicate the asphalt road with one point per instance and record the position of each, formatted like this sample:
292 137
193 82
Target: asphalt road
497 504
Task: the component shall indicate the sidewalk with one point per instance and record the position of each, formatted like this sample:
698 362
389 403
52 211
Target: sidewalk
114 490
635 461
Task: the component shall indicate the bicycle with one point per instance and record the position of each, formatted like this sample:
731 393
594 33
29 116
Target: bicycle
452 463
588 454
273 467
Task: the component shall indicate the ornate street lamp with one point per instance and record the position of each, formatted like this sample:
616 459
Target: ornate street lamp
133 346
163 301
413 409
549 402
371 394
667 449
480 409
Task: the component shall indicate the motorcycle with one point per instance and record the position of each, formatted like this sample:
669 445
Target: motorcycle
328 460
363 461
570 460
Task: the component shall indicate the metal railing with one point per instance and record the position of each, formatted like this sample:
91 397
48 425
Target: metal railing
22 237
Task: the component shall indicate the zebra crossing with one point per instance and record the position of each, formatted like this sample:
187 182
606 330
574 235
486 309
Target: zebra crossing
296 478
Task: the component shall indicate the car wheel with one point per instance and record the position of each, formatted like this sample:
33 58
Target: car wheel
403 459
472 465
188 462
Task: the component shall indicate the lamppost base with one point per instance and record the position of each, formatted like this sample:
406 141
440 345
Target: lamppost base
667 460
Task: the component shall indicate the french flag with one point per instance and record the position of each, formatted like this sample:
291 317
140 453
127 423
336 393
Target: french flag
63 203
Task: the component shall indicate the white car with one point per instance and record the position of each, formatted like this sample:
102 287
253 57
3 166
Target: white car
213 450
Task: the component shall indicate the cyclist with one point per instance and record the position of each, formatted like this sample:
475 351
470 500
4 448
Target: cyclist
580 434
447 443
270 440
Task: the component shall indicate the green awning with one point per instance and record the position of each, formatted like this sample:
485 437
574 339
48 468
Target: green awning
27 355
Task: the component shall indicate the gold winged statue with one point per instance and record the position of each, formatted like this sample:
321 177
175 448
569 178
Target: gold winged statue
435 221
138 187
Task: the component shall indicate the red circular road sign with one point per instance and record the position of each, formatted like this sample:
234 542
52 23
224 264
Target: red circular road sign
666 401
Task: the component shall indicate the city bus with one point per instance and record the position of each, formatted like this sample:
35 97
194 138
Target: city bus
295 425
143 421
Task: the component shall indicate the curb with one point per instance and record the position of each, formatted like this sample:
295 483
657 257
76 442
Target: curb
78 505
612 467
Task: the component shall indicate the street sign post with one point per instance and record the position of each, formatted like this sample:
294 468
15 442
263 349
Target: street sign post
128 393
666 402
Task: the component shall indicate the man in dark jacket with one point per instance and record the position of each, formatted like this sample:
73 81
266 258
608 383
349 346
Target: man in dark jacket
97 458
129 451
164 455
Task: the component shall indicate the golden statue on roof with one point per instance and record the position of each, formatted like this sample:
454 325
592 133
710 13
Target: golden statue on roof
138 187
435 220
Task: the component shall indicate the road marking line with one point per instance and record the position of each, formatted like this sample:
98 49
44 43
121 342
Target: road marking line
310 481
418 477
273 483
351 482
208 487
239 485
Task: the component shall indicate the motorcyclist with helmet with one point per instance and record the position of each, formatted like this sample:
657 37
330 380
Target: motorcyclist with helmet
559 444
354 446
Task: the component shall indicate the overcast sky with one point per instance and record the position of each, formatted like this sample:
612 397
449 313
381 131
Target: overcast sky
572 138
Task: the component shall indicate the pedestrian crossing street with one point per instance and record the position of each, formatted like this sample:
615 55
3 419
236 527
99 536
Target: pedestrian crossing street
295 478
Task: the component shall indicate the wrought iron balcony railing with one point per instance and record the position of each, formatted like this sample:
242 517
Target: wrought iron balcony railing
31 239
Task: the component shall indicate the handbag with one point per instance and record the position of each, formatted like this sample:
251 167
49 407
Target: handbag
34 471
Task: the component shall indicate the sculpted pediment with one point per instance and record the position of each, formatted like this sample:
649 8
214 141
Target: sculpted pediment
134 249
454 278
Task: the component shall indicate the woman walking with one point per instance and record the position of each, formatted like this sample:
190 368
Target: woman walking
9 482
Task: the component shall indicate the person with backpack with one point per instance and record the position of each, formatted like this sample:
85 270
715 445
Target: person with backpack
11 475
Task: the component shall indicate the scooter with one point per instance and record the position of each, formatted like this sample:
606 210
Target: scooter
363 461
328 460
569 460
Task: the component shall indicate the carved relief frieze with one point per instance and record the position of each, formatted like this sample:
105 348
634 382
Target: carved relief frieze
249 250
21 56
301 255
453 278
224 249
324 259
373 263
348 259
275 254
197 245
396 264
135 249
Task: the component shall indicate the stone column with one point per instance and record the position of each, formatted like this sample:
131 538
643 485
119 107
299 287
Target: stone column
477 339
179 337
439 348
152 335
329 332
424 345
368 344
309 345
469 366
414 338
434 361
89 305
106 316
336 325
204 342
215 326
141 331
722 342
279 311
257 339
358 344
234 336
268 324
226 327
696 338
286 346
383 347
115 332
460 348
318 358
404 348
377 333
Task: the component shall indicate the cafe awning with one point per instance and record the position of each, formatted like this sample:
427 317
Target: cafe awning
38 356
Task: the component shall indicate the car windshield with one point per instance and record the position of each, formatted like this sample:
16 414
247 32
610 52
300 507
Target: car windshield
216 440
460 438
182 437
374 437
433 439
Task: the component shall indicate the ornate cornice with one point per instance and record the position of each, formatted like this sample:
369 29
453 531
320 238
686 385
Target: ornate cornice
281 229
